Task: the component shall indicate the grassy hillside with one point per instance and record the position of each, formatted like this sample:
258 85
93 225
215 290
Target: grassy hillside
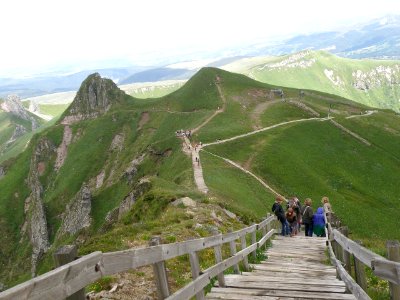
131 150
371 82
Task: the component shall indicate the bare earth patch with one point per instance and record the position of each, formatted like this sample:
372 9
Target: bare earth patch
144 118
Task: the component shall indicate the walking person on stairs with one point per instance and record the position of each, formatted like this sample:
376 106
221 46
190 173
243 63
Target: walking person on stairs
280 214
307 217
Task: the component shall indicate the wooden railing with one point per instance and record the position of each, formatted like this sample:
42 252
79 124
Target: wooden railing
342 249
74 276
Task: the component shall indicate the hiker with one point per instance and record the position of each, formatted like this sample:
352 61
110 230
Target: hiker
295 204
279 212
297 210
326 204
307 217
319 222
291 217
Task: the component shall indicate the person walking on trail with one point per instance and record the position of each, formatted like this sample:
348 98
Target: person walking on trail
297 210
307 217
291 217
277 209
319 222
326 204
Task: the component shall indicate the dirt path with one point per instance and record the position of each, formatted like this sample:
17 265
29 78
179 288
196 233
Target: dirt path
264 129
216 112
368 113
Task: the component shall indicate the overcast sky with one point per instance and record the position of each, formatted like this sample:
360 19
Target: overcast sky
37 35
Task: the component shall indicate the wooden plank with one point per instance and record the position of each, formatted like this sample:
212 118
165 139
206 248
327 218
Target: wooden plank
195 267
393 254
260 278
265 238
265 222
233 296
293 286
386 269
298 265
291 275
254 241
218 259
20 291
160 274
279 293
352 286
364 255
290 270
245 259
232 247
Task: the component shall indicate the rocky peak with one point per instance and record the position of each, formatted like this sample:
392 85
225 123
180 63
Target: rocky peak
13 105
95 97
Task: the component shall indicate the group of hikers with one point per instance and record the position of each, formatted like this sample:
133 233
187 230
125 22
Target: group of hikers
297 215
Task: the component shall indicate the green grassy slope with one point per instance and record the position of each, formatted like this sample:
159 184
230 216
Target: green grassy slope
321 71
309 159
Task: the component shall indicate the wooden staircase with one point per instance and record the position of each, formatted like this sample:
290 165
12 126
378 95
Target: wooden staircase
296 268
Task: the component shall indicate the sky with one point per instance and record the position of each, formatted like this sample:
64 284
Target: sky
43 35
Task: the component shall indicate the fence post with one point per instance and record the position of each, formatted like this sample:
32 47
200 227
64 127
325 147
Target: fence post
160 274
245 259
394 255
64 255
253 241
359 269
218 259
232 246
346 254
266 229
195 267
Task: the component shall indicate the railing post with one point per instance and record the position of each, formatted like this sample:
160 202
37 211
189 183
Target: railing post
359 269
232 246
245 259
64 255
266 229
346 254
195 267
160 274
394 255
218 259
253 241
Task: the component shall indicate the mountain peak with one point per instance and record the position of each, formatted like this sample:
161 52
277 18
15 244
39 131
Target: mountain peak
95 97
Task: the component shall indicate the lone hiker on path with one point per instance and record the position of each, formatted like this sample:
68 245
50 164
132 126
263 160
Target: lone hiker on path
307 217
279 212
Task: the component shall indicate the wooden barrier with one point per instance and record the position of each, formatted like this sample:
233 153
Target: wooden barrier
76 275
341 248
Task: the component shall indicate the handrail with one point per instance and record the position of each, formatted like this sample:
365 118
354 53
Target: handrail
381 267
67 279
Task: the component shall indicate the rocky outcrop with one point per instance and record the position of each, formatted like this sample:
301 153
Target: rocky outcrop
298 60
131 171
18 131
126 204
377 77
62 149
77 213
2 171
34 210
13 105
95 97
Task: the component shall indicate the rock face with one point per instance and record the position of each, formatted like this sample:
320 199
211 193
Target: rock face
126 204
35 215
77 213
62 149
95 97
18 131
2 171
13 105
377 77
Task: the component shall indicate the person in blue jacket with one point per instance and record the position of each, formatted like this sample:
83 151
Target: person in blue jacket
319 222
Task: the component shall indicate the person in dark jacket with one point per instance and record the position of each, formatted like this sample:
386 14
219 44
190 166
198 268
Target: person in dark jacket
307 217
280 214
319 222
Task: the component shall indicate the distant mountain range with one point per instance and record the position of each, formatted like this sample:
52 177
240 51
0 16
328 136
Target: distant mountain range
379 39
